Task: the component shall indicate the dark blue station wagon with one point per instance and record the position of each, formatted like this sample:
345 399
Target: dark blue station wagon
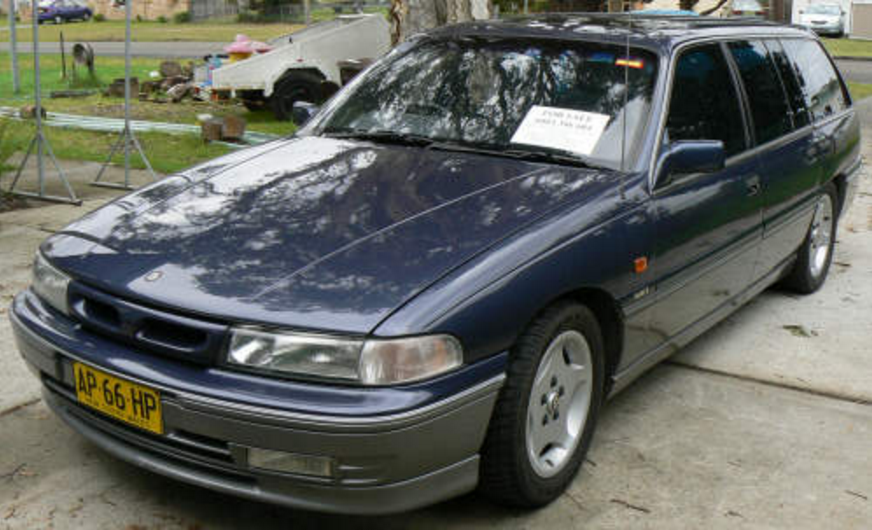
437 282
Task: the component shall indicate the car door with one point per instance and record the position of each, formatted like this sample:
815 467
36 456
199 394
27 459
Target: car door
708 225
835 122
786 144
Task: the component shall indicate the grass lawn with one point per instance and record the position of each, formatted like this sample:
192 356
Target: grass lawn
167 153
113 30
860 90
109 68
848 47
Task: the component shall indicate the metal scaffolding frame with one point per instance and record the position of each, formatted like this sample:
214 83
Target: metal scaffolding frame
39 140
127 137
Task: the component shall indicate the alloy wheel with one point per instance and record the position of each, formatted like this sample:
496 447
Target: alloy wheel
559 403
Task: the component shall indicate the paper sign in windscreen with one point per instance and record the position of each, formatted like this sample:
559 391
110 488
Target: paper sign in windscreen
576 131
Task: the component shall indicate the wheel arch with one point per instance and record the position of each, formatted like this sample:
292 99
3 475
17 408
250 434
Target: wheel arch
608 313
270 87
610 318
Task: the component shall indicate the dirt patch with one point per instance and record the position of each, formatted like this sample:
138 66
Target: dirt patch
9 202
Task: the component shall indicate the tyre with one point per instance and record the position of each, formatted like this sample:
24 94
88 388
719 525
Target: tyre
545 416
86 17
58 20
816 253
294 86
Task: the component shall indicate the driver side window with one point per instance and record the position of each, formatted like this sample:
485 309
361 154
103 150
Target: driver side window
704 104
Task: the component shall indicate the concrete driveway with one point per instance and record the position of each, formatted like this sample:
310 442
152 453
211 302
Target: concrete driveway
764 422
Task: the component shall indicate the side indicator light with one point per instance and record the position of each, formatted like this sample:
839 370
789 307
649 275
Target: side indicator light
641 264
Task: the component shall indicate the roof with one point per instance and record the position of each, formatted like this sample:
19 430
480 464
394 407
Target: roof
653 31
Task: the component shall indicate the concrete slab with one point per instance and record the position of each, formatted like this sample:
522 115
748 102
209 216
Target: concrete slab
680 449
80 175
19 244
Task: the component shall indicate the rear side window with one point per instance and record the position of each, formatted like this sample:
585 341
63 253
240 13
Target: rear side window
795 96
823 91
766 97
704 105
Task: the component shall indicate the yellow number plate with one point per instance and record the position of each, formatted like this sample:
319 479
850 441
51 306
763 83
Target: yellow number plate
129 402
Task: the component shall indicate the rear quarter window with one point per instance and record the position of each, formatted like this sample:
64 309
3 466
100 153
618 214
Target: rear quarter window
823 91
795 95
766 97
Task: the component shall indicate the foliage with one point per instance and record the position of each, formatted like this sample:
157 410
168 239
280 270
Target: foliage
182 18
162 19
9 143
247 16
99 17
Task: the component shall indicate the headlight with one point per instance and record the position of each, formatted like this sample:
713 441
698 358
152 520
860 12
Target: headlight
370 362
50 284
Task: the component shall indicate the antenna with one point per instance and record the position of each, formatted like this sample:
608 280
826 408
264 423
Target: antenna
626 102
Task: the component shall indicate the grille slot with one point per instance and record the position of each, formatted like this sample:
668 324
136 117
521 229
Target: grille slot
102 313
172 335
150 329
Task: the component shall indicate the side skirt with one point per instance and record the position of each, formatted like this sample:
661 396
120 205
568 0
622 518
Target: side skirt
629 374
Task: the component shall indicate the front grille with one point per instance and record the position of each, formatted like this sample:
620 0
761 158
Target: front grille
178 444
147 328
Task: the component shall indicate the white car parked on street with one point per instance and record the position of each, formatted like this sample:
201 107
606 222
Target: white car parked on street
823 19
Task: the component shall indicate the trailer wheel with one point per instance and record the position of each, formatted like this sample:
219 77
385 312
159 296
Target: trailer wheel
294 86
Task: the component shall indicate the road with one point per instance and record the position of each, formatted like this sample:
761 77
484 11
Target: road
856 71
763 422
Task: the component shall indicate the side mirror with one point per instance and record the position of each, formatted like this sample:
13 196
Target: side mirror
690 156
302 112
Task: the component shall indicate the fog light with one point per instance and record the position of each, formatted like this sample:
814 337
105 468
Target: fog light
318 466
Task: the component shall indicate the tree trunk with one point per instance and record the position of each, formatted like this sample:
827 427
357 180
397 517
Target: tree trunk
409 17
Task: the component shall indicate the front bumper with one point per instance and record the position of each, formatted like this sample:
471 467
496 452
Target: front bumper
390 462
820 29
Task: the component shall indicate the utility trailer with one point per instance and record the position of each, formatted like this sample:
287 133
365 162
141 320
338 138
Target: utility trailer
304 66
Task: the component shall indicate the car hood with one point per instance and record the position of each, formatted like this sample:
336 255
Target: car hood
311 232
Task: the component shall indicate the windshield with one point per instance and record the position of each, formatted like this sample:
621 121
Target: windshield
824 10
566 97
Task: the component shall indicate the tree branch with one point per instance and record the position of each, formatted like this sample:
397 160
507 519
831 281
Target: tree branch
715 8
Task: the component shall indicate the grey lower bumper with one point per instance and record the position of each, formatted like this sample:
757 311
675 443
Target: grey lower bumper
385 465
433 487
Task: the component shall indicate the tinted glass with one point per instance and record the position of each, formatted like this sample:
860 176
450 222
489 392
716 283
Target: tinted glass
818 9
704 105
769 109
479 91
792 88
823 92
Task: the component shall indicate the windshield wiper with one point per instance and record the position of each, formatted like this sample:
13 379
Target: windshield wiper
390 137
552 156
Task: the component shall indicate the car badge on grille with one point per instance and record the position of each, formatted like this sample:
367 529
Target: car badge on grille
153 276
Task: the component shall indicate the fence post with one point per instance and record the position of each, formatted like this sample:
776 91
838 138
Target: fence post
13 49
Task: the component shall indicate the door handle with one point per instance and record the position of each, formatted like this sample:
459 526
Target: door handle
752 184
